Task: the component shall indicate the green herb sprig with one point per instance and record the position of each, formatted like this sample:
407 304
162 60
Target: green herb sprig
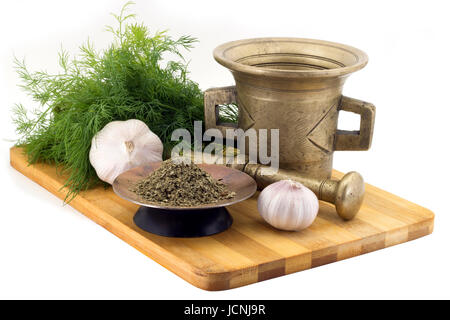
125 81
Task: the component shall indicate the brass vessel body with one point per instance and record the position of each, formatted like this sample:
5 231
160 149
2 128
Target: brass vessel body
294 85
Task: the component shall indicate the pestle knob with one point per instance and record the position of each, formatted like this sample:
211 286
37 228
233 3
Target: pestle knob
349 195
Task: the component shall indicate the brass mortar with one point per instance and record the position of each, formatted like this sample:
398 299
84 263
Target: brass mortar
294 85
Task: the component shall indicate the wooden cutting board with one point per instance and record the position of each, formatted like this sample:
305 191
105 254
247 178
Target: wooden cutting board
251 250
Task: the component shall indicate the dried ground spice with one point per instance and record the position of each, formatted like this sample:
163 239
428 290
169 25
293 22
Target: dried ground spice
179 183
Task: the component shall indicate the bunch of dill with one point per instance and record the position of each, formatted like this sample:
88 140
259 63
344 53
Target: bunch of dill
125 81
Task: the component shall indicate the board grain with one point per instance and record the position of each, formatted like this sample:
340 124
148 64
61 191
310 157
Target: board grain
251 250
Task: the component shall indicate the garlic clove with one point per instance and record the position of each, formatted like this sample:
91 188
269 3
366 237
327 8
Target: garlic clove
288 205
123 145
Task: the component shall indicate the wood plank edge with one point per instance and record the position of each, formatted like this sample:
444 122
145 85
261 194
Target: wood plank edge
413 232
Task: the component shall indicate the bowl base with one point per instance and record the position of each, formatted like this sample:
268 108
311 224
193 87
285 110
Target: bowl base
183 223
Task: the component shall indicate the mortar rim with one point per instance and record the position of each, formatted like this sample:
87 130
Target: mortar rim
219 54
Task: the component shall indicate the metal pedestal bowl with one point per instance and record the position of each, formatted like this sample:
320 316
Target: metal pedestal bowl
177 221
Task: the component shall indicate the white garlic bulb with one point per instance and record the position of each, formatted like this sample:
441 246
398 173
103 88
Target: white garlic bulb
288 205
123 145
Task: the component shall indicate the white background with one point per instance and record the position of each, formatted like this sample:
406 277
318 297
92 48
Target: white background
51 251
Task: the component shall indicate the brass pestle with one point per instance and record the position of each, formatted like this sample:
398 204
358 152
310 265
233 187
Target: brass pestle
347 194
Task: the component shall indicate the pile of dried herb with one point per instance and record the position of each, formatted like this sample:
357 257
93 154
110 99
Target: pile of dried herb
180 183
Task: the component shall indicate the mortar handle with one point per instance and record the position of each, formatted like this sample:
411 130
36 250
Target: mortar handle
362 138
213 99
